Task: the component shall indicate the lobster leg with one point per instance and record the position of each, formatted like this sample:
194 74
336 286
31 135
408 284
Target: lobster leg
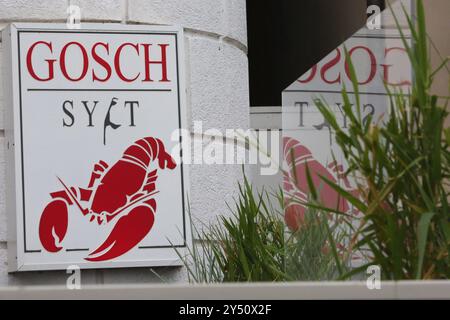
129 230
294 212
342 176
98 172
150 185
338 169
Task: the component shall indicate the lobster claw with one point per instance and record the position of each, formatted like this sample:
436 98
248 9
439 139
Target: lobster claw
126 234
53 225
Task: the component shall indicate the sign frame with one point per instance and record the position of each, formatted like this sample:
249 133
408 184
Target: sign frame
13 145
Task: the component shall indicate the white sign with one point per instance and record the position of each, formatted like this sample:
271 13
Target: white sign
91 113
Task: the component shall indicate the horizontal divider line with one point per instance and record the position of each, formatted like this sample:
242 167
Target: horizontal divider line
33 251
161 247
104 90
339 92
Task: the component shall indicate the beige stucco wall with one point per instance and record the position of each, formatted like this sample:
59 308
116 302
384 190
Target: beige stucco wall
438 23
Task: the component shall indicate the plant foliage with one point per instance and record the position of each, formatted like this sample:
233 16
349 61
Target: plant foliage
401 166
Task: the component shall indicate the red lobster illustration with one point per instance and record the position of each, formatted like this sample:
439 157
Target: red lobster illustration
124 191
295 182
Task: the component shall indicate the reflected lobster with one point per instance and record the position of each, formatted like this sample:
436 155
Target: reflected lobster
123 193
296 187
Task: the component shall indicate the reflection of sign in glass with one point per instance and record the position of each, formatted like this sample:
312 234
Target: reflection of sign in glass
91 116
379 58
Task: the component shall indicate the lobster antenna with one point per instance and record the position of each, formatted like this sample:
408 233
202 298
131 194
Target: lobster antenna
74 199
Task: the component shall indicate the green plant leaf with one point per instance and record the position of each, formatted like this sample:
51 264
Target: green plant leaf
422 235
447 135
345 194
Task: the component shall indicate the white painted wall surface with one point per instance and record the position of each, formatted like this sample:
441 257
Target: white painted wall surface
217 94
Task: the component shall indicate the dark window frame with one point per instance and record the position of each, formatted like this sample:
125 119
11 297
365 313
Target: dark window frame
287 37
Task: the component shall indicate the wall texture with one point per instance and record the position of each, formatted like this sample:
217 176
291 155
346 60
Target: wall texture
217 94
438 24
